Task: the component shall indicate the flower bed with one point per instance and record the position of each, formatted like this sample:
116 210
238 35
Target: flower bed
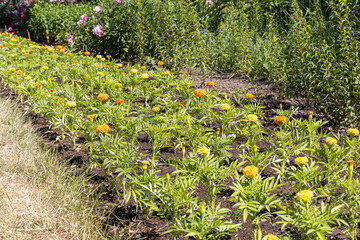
216 144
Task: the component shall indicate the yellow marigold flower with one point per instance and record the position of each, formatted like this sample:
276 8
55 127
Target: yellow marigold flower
86 53
102 59
210 83
37 84
108 56
280 119
52 90
120 65
98 56
353 131
144 165
167 73
1 46
71 104
44 68
102 128
155 109
103 97
252 118
62 63
62 50
351 165
160 63
12 55
143 67
331 141
144 76
133 71
56 98
200 92
301 160
203 151
116 67
249 96
123 73
118 85
251 171
311 113
27 78
224 106
100 73
96 66
119 101
90 117
19 72
273 237
305 195
12 69
80 53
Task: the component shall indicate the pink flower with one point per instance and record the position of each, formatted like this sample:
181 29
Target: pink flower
10 29
97 9
82 19
97 30
209 3
70 39
22 15
15 24
117 1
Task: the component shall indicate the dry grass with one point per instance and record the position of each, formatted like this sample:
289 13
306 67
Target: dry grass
38 198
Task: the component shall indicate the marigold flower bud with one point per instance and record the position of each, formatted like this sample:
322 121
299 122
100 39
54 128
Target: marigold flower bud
144 165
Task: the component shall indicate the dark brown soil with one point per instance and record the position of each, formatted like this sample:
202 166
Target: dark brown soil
123 221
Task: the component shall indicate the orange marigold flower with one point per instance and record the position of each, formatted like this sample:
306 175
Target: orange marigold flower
103 97
106 66
118 85
59 47
102 128
80 53
280 119
350 163
251 171
56 98
200 93
210 83
249 96
86 53
160 63
143 67
167 73
62 50
119 101
155 109
50 50
37 84
52 90
108 56
19 72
